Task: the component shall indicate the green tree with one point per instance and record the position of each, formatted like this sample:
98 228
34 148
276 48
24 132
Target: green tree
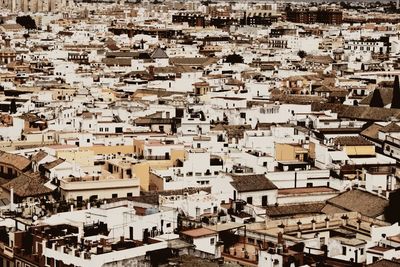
392 213
13 107
376 100
302 54
396 93
234 58
27 22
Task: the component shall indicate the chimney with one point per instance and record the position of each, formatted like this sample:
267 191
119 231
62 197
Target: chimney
327 222
380 190
7 41
280 238
313 222
12 207
299 234
151 71
359 224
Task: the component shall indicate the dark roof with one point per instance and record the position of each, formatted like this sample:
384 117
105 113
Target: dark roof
122 54
152 197
351 141
391 128
296 209
19 162
385 263
297 99
192 61
319 59
52 164
358 112
233 131
386 95
30 117
252 182
28 185
372 131
363 202
120 61
149 121
159 53
39 156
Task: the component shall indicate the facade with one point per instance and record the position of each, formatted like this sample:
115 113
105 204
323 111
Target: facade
315 15
37 5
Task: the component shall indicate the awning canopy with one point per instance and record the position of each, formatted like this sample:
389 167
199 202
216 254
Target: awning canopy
339 155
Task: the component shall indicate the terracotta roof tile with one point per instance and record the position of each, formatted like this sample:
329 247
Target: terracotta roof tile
252 182
28 185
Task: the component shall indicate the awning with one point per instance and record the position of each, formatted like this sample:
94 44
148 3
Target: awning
338 156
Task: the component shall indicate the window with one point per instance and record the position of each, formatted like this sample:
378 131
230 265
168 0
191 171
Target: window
309 185
264 201
212 241
250 240
129 194
344 250
168 225
250 200
114 195
361 251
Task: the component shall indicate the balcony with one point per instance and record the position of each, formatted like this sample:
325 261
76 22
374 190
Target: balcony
6 250
157 157
91 183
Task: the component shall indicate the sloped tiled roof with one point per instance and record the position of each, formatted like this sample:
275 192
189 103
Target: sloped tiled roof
39 156
386 95
372 131
296 209
391 128
358 112
252 182
18 161
159 53
363 202
52 164
28 185
192 61
385 263
351 141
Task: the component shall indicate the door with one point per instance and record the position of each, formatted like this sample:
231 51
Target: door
130 232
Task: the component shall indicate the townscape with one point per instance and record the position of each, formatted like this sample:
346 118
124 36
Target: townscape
199 133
